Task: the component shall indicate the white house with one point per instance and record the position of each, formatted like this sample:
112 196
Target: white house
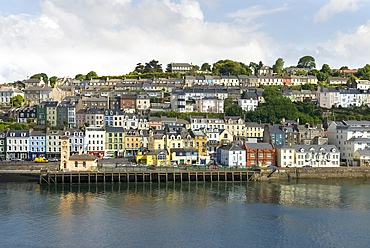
340 132
316 155
350 97
17 144
249 102
95 141
355 144
285 156
210 105
362 84
337 80
6 93
231 155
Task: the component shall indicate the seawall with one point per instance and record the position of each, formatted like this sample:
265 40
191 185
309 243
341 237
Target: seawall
315 173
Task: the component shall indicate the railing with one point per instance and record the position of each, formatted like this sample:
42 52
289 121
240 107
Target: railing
167 169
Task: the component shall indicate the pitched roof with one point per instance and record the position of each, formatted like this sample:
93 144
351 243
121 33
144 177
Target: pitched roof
264 146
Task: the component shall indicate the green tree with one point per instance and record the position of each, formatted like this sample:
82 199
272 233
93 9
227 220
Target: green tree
226 67
344 68
326 69
16 101
169 67
52 80
298 73
228 102
153 66
65 123
91 74
11 119
278 66
205 67
306 62
235 110
41 75
80 77
139 68
311 87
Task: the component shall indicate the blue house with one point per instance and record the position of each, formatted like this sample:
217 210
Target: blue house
277 135
37 147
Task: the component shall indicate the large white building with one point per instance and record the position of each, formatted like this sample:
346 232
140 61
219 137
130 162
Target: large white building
316 156
340 132
231 155
17 144
95 141
6 93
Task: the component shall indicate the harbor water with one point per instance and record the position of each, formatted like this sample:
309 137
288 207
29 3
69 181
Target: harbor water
299 213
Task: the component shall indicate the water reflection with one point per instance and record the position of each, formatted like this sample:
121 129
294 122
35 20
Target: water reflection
312 194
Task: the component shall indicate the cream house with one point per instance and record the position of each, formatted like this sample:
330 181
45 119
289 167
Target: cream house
285 156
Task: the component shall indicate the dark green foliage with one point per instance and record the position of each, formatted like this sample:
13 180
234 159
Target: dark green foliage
80 77
312 87
16 101
43 75
278 66
306 62
235 110
152 67
205 67
13 126
229 67
91 74
52 81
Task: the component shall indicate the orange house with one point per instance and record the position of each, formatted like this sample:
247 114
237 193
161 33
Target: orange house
260 154
132 142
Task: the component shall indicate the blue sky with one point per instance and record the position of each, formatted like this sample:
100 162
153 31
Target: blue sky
67 37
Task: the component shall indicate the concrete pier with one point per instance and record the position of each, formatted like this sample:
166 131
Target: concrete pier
148 176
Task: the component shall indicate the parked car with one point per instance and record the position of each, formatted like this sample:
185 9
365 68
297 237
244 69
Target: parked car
53 159
28 159
16 159
105 157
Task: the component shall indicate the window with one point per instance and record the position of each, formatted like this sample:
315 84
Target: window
76 164
253 155
261 155
269 154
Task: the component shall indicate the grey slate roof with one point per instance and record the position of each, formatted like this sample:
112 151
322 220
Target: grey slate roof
259 146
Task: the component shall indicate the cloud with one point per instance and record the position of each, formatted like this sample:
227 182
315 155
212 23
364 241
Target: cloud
112 36
335 7
248 14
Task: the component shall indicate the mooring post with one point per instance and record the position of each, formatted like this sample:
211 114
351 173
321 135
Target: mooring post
119 177
70 178
89 179
112 177
96 177
63 178
104 177
79 177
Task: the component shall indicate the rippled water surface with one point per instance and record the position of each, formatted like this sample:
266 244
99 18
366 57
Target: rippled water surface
323 213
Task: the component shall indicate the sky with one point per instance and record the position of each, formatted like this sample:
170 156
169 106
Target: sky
69 37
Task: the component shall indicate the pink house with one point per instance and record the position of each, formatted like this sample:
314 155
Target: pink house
327 97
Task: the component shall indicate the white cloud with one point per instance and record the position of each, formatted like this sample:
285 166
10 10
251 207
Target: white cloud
335 7
110 37
248 14
350 48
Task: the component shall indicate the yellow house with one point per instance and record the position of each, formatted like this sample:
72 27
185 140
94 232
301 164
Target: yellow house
200 142
225 137
235 125
51 112
157 140
76 162
362 158
157 157
253 130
